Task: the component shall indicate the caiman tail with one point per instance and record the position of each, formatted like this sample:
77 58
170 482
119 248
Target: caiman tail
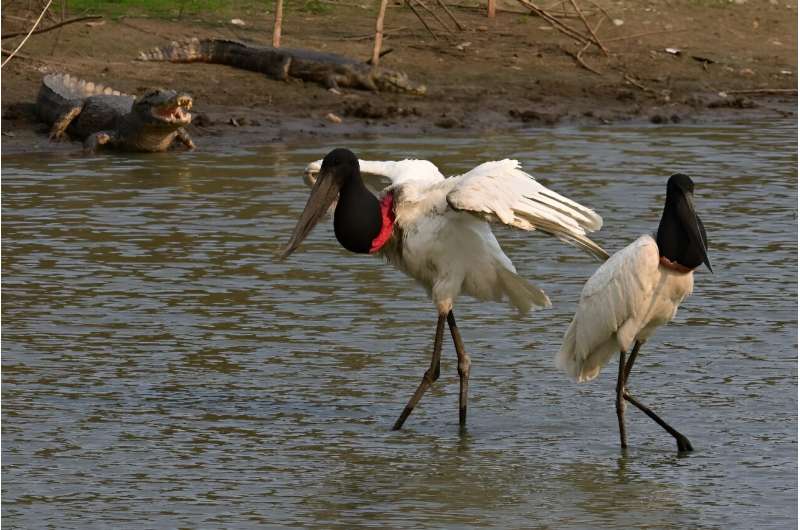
271 61
188 51
63 90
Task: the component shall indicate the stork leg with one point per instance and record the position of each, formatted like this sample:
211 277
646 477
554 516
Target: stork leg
463 368
431 375
620 402
683 442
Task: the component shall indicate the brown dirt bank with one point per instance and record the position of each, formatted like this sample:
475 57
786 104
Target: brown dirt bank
497 74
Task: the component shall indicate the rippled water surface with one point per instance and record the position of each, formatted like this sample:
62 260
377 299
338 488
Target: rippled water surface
162 370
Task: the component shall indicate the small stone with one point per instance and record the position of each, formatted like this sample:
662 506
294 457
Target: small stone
333 118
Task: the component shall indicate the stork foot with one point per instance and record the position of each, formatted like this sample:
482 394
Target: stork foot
683 444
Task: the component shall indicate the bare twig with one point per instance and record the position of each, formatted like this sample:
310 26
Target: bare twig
787 91
387 51
460 26
491 8
637 35
372 35
410 3
578 57
599 8
557 24
482 9
432 12
588 27
630 79
33 28
7 53
376 49
276 29
579 60
49 28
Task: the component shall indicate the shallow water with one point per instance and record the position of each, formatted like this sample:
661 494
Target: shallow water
162 370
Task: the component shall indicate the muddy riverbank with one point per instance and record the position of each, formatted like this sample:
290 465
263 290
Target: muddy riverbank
497 74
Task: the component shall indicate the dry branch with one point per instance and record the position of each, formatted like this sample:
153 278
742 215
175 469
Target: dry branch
630 79
54 26
647 33
33 28
372 35
588 27
458 24
579 59
599 8
432 12
786 91
410 3
554 22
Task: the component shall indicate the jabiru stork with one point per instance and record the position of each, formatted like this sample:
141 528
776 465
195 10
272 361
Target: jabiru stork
637 290
436 230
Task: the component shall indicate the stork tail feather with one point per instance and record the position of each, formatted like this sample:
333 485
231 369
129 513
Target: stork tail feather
522 294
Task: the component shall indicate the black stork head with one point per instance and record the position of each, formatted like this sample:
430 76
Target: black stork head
357 218
681 235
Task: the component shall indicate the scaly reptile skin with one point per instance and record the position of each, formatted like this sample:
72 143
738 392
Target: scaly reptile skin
99 115
328 69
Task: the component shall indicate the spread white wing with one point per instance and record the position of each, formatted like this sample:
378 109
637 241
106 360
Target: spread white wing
501 192
497 191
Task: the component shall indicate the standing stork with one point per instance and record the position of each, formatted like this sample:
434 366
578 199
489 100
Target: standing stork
435 230
637 290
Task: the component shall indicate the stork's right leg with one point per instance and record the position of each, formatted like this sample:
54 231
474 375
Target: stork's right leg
620 401
431 374
463 368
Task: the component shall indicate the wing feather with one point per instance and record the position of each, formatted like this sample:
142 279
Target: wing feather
607 316
500 191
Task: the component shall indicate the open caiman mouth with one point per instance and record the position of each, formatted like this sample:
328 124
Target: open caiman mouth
177 111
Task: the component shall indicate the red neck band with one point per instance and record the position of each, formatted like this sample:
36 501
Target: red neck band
387 223
674 265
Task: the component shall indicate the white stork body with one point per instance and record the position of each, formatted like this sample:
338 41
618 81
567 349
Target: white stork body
624 301
637 290
446 242
436 230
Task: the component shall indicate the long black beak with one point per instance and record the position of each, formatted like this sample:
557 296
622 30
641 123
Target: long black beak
694 227
324 192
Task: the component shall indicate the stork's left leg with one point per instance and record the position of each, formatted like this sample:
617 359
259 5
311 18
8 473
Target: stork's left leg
683 442
463 368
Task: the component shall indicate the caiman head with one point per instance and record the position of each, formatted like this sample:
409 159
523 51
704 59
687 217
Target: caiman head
393 81
163 108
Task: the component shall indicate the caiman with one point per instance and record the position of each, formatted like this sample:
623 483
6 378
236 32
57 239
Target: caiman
328 69
99 115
